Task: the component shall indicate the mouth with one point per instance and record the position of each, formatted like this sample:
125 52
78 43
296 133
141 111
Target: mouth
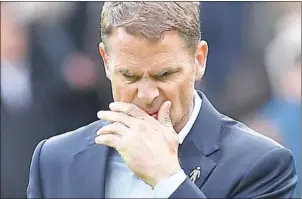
154 114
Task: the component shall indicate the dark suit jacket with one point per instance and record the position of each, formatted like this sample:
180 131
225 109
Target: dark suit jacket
235 162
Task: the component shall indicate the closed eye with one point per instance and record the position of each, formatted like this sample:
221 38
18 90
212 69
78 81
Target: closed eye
166 73
163 75
130 77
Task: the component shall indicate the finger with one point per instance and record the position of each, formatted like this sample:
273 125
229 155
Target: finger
112 116
129 109
109 140
164 114
114 128
116 133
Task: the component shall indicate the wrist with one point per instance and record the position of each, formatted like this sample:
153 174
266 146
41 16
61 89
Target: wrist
164 173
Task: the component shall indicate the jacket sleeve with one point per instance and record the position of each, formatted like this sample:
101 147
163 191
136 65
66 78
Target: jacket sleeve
271 176
34 185
188 190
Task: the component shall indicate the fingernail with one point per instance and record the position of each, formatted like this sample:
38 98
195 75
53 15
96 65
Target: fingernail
111 105
98 140
100 114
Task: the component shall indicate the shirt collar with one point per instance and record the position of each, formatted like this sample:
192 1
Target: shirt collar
197 101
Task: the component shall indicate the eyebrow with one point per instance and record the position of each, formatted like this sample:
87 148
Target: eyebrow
123 71
171 69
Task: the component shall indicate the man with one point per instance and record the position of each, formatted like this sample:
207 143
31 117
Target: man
160 138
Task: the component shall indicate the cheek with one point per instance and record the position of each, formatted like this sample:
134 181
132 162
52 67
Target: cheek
122 92
179 89
180 94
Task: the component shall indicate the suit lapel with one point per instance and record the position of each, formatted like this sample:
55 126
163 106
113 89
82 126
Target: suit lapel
88 169
195 162
200 143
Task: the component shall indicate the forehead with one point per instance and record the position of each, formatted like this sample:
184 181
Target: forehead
124 48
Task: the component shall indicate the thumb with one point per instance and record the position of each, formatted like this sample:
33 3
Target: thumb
164 114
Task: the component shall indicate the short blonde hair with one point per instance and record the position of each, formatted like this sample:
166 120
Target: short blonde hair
152 19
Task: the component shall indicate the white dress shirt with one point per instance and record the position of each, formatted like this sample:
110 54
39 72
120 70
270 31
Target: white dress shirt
121 182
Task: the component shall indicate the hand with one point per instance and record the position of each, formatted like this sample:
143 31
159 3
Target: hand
148 146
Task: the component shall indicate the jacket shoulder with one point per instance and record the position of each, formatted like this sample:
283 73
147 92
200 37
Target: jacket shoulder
70 142
241 141
262 165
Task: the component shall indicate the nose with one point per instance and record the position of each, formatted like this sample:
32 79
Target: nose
147 91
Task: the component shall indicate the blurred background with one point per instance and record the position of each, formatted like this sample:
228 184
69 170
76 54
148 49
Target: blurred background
53 81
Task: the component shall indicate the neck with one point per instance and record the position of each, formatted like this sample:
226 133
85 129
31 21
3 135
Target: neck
185 118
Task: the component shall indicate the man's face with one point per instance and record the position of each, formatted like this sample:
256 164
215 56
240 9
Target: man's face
147 74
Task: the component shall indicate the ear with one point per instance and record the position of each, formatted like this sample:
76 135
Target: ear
105 59
201 59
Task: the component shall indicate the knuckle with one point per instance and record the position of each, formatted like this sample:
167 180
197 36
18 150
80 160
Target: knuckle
115 124
132 109
118 125
110 138
106 138
105 128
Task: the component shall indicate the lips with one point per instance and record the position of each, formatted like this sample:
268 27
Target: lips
154 114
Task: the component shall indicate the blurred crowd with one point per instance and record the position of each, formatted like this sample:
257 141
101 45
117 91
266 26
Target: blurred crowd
53 81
